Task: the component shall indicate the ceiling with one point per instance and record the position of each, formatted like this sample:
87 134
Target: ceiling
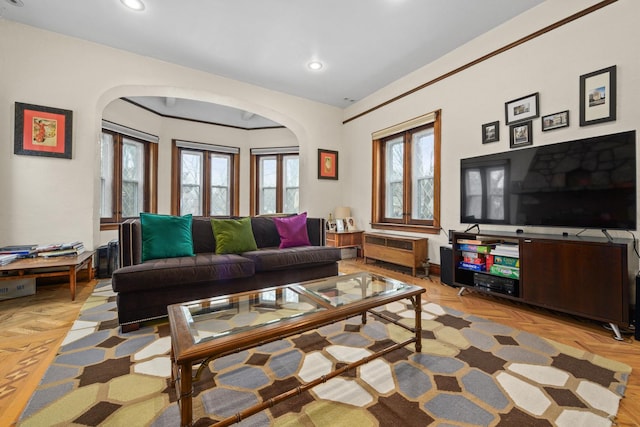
364 45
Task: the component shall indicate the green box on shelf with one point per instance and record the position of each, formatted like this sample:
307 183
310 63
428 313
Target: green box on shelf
506 261
504 271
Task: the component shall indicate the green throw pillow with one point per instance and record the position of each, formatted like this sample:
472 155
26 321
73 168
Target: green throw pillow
233 236
165 236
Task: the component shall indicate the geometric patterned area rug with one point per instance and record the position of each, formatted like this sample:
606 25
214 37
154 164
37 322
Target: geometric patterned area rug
471 371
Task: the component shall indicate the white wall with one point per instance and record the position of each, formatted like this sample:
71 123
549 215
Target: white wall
550 65
44 200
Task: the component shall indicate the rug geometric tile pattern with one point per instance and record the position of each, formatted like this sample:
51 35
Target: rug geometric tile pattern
470 372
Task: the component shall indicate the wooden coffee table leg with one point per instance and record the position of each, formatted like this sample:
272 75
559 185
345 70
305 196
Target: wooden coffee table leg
90 268
72 281
186 405
417 305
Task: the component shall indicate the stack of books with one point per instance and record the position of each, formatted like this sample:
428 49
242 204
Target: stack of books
9 254
61 249
506 249
7 258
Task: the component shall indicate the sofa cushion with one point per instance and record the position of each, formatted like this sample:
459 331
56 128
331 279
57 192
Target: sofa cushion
291 258
202 233
233 236
165 236
265 232
182 271
293 231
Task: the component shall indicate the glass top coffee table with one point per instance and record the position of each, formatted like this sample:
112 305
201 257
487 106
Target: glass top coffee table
207 329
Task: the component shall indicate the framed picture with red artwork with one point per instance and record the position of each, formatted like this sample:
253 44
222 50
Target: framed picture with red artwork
42 131
327 164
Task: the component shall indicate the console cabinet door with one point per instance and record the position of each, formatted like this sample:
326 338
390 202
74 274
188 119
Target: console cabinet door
576 277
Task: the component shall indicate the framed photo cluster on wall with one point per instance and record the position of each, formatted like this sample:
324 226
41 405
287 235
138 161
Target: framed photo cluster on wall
597 104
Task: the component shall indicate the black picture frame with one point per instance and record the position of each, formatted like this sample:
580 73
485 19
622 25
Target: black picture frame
327 164
491 132
521 109
555 121
521 134
598 96
42 131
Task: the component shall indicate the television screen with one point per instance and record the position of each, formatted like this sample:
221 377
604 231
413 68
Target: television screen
586 183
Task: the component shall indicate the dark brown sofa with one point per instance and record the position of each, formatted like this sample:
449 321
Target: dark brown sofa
145 289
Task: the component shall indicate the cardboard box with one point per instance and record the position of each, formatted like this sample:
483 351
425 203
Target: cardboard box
348 253
14 288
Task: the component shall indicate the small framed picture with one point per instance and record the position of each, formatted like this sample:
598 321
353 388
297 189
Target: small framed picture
327 164
555 121
351 224
598 96
522 109
520 134
42 131
490 132
340 225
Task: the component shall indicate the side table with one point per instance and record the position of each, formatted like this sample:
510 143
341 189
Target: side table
345 239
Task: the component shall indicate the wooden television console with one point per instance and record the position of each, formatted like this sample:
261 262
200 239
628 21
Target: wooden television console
589 277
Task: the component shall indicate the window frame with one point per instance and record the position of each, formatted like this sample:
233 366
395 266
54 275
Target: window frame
279 154
405 131
150 190
207 150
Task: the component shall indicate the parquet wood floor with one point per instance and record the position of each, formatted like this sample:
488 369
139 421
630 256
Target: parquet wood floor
31 330
33 327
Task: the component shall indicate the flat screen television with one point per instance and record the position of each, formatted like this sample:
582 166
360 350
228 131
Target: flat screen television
586 183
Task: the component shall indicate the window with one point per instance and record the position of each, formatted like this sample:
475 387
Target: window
128 160
205 179
406 176
275 180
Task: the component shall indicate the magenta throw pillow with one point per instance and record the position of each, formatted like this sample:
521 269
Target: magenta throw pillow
293 231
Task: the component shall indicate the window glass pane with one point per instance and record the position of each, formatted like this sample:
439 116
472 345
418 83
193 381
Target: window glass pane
191 183
106 175
267 185
394 169
220 179
422 168
291 184
495 190
132 178
473 191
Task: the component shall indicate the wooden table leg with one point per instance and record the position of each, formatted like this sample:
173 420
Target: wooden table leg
90 267
186 405
72 282
417 304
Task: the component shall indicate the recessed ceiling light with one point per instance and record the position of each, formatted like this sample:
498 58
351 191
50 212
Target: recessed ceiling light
18 3
315 65
136 5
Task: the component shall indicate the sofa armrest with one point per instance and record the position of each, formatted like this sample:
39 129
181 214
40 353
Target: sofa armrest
130 235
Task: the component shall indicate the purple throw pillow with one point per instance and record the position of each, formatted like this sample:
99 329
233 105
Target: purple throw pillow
293 231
